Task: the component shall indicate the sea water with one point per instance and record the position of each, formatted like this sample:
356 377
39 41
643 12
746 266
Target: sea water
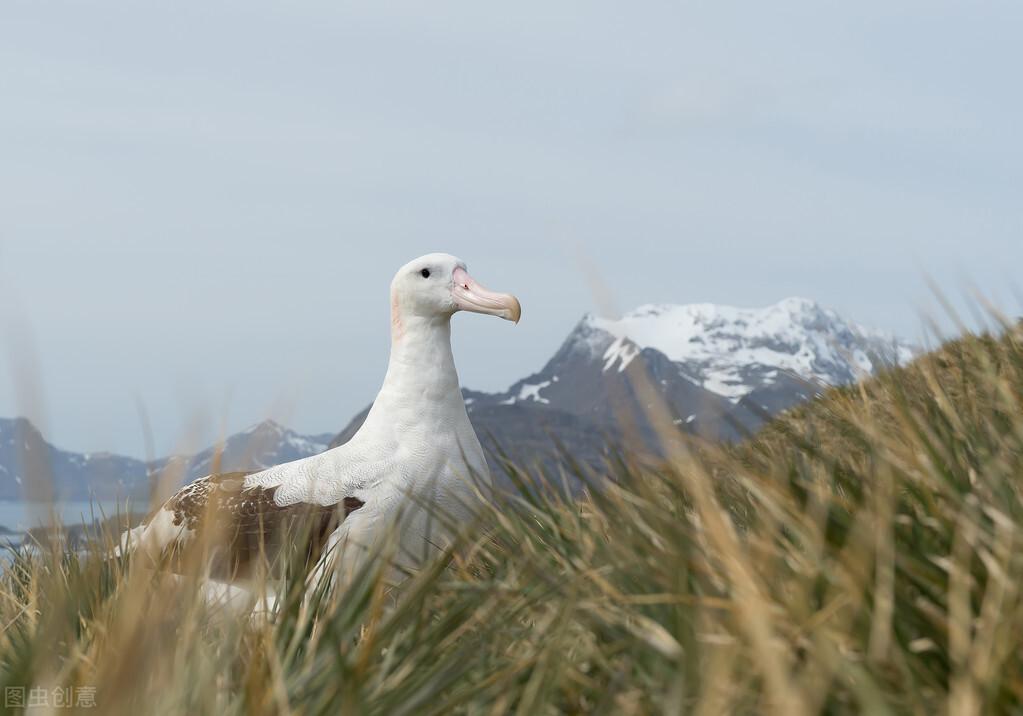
19 516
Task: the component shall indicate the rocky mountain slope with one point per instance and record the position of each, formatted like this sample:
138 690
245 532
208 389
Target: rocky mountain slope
24 453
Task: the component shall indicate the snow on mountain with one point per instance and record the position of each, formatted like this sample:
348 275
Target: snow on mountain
733 351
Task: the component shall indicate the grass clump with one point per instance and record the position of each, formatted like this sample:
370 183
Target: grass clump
862 553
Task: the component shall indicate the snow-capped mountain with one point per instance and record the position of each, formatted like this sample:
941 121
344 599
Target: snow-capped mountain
763 360
79 476
735 351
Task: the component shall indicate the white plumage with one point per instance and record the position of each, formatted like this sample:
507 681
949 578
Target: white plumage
415 456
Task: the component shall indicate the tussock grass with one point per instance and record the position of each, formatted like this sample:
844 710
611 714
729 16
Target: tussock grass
863 553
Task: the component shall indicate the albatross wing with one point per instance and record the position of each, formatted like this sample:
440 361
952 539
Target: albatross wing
240 518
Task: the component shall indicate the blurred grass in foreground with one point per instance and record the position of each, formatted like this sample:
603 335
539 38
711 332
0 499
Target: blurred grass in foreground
863 553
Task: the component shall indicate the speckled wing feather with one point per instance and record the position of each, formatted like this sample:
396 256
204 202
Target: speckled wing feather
241 524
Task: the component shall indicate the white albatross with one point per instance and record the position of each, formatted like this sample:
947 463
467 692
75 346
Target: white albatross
415 450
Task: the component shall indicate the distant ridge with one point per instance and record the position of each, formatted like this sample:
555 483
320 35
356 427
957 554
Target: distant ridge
81 476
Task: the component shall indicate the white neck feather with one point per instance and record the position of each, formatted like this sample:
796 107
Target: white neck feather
421 393
421 361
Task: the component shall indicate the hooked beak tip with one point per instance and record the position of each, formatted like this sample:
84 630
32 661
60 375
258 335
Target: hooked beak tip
516 311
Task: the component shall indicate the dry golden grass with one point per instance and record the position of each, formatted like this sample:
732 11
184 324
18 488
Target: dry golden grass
862 554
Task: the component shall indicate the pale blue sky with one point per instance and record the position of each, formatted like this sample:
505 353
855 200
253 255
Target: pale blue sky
201 204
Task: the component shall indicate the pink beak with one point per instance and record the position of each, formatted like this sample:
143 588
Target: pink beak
470 296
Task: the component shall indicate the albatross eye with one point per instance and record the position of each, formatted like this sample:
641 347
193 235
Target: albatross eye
425 273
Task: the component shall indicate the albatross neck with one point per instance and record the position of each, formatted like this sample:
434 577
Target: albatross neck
421 362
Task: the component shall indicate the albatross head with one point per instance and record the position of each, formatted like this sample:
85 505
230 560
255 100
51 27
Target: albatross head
437 285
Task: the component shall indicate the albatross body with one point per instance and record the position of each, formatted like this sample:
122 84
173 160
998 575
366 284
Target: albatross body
416 456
